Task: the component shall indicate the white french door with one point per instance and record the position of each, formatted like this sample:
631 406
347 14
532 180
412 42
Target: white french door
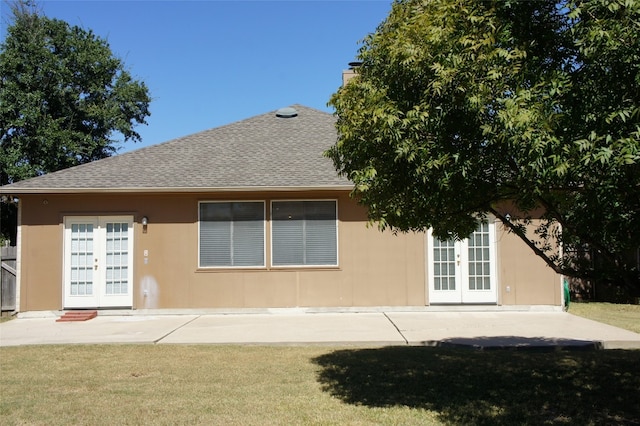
98 261
463 271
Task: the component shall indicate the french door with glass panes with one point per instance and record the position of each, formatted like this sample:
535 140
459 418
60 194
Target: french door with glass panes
463 271
98 254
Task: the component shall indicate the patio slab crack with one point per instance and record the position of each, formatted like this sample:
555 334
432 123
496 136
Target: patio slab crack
170 332
396 327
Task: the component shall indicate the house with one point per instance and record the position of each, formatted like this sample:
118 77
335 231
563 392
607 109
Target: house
247 215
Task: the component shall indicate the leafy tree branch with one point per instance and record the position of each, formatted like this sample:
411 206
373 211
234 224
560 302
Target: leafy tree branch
460 106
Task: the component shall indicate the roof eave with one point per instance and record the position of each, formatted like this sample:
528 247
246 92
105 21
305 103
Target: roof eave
131 190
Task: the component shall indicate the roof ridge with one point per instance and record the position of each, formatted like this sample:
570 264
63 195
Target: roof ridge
223 126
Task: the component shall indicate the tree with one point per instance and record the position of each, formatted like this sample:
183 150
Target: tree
518 109
64 98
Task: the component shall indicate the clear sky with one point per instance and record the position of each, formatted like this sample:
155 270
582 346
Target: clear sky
209 63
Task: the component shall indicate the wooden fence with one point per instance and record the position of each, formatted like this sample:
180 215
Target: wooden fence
8 256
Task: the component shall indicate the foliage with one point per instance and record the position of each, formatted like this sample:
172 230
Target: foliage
64 97
517 109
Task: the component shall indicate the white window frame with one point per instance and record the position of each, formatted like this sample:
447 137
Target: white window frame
272 221
264 235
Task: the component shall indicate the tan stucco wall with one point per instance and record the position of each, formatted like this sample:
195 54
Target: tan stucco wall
524 277
375 269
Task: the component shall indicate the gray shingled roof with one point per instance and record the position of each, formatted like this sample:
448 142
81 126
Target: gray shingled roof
262 152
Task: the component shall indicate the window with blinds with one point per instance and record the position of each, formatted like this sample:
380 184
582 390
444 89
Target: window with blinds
231 234
304 233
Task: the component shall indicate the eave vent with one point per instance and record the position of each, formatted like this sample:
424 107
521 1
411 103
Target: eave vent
286 112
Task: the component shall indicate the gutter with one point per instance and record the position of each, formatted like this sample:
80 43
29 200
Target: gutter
128 190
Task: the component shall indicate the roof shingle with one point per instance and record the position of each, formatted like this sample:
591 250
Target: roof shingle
264 151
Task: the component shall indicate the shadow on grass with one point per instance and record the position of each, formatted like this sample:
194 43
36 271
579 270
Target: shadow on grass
497 387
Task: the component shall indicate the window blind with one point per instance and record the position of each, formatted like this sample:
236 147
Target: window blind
304 233
232 234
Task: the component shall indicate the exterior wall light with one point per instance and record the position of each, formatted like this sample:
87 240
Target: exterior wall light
9 199
145 221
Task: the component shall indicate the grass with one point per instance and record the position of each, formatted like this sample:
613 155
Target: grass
254 385
5 318
147 384
623 316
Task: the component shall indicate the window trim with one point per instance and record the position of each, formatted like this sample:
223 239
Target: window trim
296 266
264 235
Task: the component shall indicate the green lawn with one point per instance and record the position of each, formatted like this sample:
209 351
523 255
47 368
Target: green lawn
623 316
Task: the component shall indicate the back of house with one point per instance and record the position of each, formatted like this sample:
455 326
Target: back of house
247 215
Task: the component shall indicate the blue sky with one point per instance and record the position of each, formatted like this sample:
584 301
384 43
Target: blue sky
209 63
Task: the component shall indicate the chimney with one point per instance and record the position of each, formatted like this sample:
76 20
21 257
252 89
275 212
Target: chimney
350 73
